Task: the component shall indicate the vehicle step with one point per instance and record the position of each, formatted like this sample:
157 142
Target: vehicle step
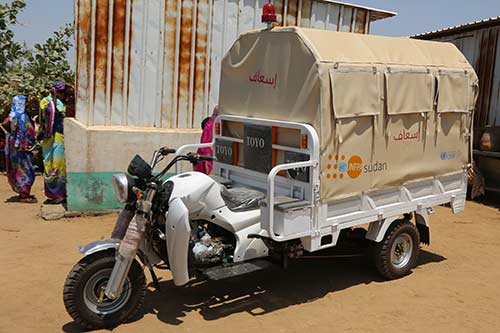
220 273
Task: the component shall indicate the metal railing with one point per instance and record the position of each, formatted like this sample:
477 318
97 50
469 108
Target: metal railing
189 148
270 195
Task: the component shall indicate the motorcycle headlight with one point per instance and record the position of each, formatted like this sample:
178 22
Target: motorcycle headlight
122 185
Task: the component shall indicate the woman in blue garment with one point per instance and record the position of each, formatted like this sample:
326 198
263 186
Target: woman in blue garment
18 157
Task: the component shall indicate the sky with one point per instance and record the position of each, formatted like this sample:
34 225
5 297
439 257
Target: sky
414 16
418 16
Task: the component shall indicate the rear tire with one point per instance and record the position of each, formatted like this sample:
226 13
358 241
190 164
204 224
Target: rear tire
85 282
398 252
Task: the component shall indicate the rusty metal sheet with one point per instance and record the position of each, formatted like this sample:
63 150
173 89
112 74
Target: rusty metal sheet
83 54
156 63
360 21
480 45
118 60
99 115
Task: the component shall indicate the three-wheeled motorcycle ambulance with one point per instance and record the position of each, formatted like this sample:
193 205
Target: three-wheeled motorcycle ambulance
319 134
341 130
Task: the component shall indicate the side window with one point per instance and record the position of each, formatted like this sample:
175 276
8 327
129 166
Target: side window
454 92
355 91
409 92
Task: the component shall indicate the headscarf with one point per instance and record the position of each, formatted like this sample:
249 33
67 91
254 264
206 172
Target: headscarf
59 85
18 106
19 120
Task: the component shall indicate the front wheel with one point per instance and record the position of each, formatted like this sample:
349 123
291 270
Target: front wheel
84 292
398 252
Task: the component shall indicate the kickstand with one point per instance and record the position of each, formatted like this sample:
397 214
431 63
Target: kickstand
156 283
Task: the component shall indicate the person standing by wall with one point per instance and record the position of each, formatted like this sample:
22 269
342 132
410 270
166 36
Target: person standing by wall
206 137
52 112
18 157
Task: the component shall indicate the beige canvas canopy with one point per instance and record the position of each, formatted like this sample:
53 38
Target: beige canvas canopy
387 110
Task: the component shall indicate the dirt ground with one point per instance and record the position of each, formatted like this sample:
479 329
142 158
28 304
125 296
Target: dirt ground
455 287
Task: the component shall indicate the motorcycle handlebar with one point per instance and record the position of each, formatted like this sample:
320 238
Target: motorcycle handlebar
190 157
206 158
166 151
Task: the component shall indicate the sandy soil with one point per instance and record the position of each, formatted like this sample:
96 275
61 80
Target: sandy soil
455 287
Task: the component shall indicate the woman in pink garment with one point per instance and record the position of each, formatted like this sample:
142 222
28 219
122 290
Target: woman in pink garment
206 137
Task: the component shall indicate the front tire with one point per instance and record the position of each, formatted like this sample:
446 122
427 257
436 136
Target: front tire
398 252
85 284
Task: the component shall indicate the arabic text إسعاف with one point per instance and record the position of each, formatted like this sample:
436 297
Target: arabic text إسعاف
403 135
258 77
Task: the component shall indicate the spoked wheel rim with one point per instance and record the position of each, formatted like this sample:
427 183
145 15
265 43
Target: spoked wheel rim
401 250
96 285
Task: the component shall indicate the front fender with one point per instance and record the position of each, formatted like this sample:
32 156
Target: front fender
100 245
178 232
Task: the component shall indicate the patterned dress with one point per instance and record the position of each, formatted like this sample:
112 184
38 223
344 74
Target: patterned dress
52 134
18 161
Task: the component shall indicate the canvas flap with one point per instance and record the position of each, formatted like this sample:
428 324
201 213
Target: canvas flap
409 91
454 92
355 92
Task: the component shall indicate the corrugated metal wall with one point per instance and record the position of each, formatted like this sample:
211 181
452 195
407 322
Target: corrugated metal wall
481 47
156 63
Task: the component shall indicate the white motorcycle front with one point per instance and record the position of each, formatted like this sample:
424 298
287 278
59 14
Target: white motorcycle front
189 224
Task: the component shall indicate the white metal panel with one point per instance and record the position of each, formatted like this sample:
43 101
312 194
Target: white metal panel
216 54
333 17
136 65
246 15
318 15
231 29
169 55
151 70
347 19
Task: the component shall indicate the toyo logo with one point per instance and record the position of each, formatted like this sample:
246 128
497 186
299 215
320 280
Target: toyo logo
351 167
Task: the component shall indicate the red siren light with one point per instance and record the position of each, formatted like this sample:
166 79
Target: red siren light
268 13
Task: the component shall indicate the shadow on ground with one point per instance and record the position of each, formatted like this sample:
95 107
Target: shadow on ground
490 198
262 292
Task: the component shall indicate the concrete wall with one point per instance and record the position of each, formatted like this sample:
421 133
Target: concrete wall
94 154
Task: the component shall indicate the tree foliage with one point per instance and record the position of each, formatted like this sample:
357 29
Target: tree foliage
31 71
9 49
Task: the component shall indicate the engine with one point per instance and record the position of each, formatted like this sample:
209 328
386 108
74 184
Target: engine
210 244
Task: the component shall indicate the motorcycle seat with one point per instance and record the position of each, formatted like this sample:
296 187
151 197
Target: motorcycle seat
241 199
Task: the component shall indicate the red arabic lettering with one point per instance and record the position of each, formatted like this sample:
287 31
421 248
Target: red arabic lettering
403 135
259 78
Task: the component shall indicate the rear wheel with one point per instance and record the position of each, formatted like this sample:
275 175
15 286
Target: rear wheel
398 252
84 292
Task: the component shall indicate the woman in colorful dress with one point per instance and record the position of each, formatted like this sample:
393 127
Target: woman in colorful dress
52 112
18 157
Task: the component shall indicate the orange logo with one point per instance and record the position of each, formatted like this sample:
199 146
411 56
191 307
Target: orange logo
354 166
